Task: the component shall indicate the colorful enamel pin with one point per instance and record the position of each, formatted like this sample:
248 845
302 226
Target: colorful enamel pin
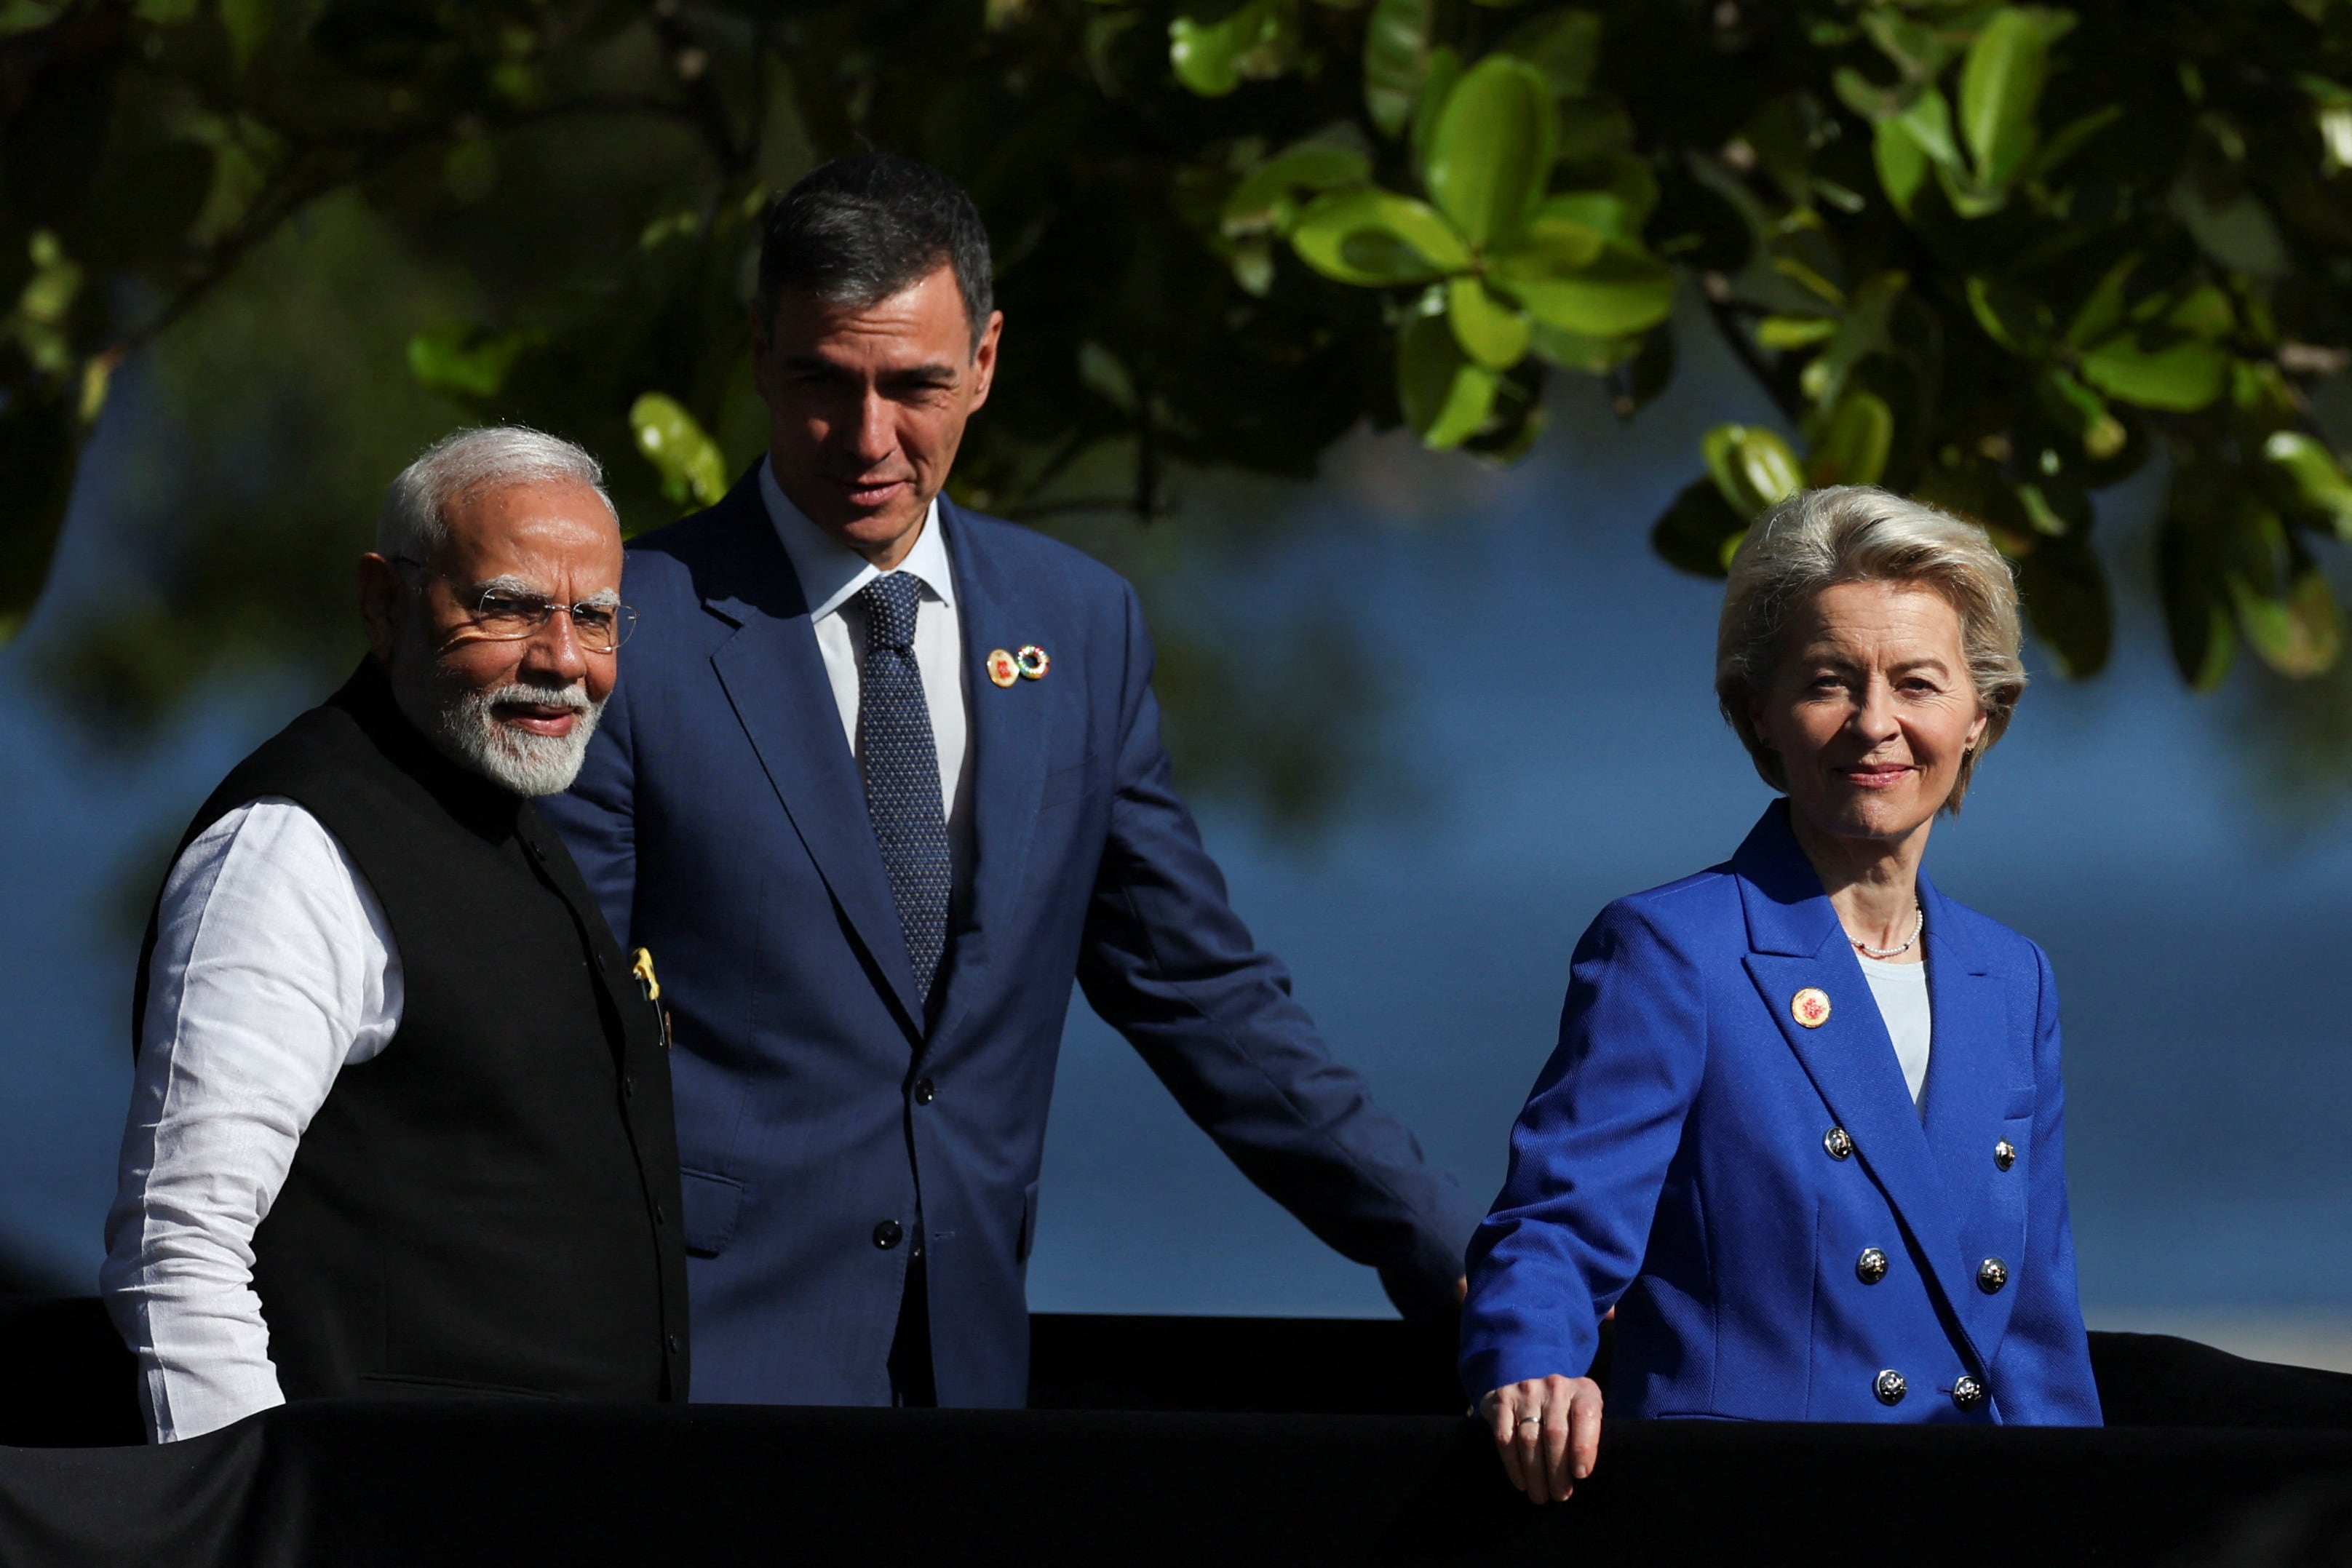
1001 668
1810 1006
1032 662
643 969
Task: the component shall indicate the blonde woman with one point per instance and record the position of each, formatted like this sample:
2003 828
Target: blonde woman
1804 1127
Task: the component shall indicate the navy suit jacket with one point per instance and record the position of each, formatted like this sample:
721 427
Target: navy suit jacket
721 820
1674 1162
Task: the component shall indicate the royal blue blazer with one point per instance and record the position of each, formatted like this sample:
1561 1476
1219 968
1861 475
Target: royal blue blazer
821 1107
1679 1161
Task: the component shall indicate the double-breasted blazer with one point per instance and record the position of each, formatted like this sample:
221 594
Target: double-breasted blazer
1697 1156
821 1105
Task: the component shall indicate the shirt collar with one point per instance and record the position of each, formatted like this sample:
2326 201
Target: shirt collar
830 572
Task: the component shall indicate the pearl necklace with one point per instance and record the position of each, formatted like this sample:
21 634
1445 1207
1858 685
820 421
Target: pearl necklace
1919 923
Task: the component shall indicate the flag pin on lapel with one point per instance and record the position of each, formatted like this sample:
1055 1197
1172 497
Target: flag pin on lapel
1032 662
1810 1006
1001 669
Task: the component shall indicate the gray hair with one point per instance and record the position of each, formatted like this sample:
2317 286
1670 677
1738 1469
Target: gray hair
415 521
1857 533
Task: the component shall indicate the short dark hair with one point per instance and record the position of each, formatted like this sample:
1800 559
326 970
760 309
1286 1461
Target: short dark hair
859 229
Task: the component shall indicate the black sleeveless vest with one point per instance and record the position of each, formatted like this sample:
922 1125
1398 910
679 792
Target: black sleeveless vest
490 1205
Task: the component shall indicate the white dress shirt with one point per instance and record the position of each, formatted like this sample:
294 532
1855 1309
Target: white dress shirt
831 574
1901 991
273 968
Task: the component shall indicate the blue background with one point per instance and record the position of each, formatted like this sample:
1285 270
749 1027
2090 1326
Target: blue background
1547 742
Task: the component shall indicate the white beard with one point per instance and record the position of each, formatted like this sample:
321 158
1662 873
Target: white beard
467 726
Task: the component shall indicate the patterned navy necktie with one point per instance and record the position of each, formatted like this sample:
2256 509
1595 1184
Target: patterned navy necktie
902 764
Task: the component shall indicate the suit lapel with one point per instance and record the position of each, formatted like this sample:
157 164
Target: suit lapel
1012 727
774 676
1968 1062
1796 943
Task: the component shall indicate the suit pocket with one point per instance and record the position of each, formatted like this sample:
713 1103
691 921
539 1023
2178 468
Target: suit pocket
1028 1224
2019 1101
711 1203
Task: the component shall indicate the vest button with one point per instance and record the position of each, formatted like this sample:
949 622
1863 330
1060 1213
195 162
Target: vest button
1871 1267
925 1092
888 1234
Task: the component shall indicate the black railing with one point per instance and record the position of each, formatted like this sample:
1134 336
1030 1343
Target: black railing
1201 1441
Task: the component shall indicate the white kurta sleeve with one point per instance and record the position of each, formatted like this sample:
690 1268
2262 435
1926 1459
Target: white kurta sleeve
273 968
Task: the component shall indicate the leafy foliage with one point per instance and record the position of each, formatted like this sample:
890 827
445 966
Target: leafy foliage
1999 255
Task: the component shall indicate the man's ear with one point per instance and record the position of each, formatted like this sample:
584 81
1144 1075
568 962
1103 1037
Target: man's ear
383 605
983 357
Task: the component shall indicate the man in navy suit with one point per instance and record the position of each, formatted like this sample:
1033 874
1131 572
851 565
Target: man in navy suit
880 776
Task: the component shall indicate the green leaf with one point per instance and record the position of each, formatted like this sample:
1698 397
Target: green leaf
1436 92
2103 436
1489 330
1257 40
1605 213
1492 149
1264 198
40 448
2103 308
2298 633
1396 59
683 454
2066 600
1564 45
2001 89
2202 632
2182 378
1854 442
1444 394
1753 468
464 361
1698 532
1376 238
1618 290
1783 333
2009 316
1578 352
2315 475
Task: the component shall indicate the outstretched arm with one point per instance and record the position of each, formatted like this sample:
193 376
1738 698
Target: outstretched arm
1168 963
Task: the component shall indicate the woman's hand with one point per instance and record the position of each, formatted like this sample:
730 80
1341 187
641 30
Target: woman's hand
1547 1430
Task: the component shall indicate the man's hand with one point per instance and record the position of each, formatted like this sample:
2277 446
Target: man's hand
1548 1431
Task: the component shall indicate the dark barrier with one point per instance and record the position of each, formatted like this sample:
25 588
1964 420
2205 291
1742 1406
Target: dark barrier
363 1483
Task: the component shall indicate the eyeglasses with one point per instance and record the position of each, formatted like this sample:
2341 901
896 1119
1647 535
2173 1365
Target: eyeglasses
505 615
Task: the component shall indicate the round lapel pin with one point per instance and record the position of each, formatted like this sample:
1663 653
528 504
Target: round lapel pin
1810 1006
1001 668
1032 663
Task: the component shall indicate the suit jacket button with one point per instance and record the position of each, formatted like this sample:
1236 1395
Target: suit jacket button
888 1234
925 1092
1871 1267
661 1214
1991 1275
1968 1393
629 1084
1839 1143
674 1346
1890 1385
2004 1154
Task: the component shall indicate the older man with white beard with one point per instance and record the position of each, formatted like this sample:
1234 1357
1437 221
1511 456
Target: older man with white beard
401 1123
